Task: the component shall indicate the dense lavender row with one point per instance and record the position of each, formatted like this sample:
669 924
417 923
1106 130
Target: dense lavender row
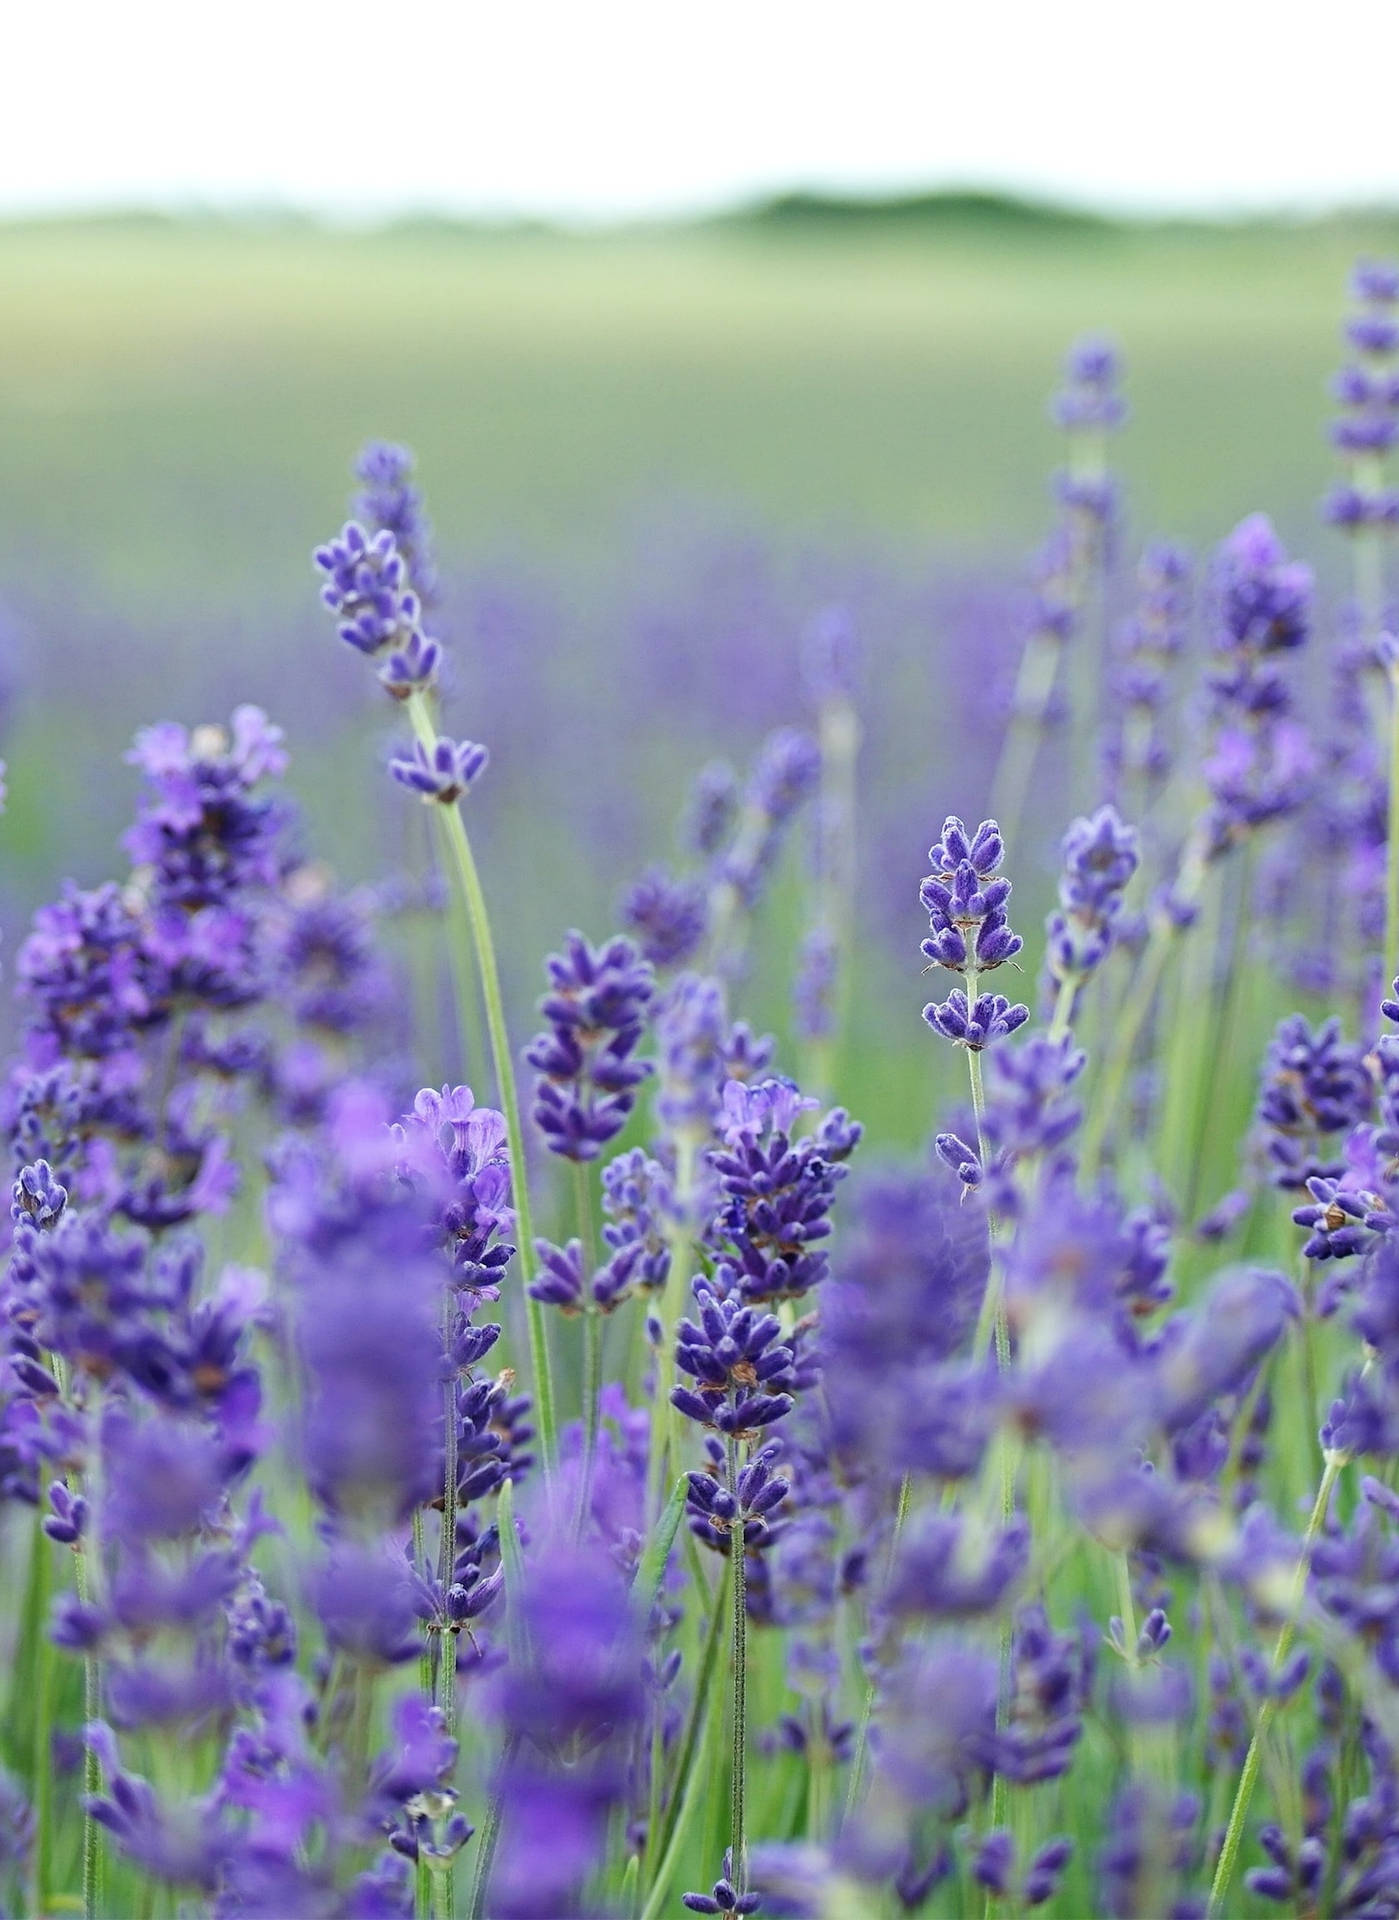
790 1532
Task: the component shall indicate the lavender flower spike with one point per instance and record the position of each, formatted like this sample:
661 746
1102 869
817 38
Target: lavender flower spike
445 774
970 933
1100 857
596 1007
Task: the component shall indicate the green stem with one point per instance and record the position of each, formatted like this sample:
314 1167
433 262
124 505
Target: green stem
425 1660
479 919
664 1437
490 1836
592 1388
694 1780
1062 1017
592 1346
93 1860
662 1829
1034 683
738 1798
44 1652
1238 1816
857 1764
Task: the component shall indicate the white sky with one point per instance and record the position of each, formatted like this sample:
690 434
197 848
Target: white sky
623 107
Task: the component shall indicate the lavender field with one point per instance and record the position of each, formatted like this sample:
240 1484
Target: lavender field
600 1319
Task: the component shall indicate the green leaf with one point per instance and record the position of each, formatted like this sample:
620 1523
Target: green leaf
650 1569
513 1562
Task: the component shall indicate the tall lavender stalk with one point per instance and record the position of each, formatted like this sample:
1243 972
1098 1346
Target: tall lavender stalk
971 935
367 588
1088 408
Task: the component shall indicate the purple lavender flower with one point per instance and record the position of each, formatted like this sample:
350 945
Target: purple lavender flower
946 1571
1089 399
391 504
1314 1086
1367 391
367 587
742 1369
588 1076
776 1191
1099 858
938 1750
669 917
784 774
712 1509
963 897
1149 1855
713 808
1145 650
443 775
724 1896
567 1707
1261 760
902 1301
1030 1115
637 1198
991 1018
965 900
199 829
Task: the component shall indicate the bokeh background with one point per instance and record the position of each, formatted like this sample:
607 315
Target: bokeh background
691 337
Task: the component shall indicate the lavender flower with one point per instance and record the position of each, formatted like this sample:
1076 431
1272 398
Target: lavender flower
776 1191
1367 391
669 917
391 504
990 1018
596 1007
1146 648
971 933
1314 1086
1100 856
567 1708
451 769
784 775
743 1371
1261 760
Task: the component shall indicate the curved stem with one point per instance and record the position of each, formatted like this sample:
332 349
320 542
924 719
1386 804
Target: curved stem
479 919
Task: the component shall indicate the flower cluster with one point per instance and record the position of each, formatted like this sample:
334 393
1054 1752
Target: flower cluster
1367 391
1261 759
1146 648
775 1191
587 1073
965 898
1100 856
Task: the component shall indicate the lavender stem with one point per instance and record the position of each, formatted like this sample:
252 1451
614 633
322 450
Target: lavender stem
737 1804
479 919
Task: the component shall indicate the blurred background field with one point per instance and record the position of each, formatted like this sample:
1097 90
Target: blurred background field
649 455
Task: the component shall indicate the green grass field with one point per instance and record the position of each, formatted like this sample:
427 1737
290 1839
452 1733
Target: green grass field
178 400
